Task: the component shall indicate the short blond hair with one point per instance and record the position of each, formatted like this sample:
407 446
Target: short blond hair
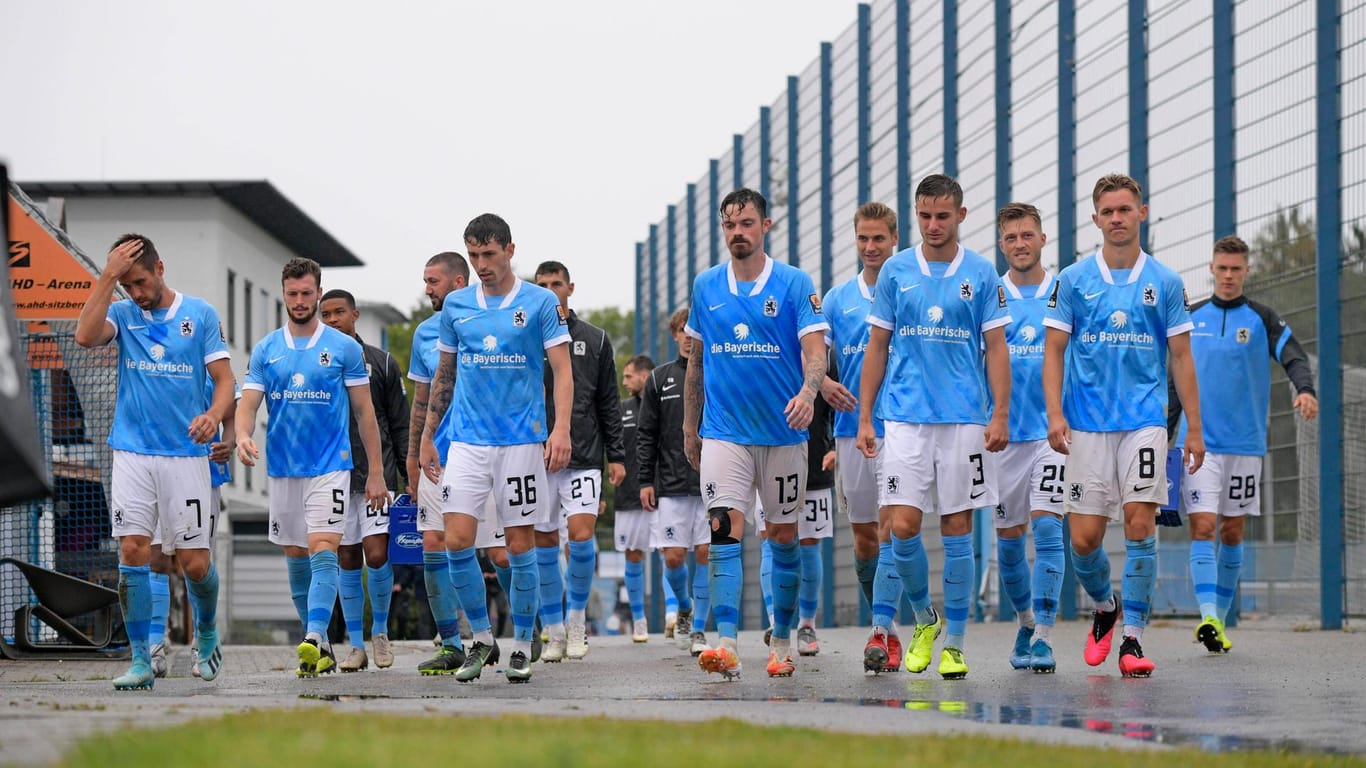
1113 182
876 212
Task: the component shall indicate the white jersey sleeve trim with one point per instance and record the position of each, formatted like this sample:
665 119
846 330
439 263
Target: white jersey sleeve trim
443 348
557 340
113 325
688 329
1060 325
253 386
361 381
419 379
997 323
815 328
879 322
1177 330
221 354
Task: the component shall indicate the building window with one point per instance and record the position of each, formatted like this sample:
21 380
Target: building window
246 314
232 307
279 313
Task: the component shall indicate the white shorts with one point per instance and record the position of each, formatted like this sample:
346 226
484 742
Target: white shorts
578 491
856 482
514 475
363 522
632 529
1225 484
430 499
165 497
680 521
303 505
1029 477
936 467
1106 470
732 473
490 533
815 522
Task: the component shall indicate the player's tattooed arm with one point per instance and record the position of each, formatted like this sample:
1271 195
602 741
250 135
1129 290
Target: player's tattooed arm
417 421
441 393
692 410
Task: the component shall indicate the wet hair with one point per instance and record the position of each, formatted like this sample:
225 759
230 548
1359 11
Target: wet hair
338 293
453 263
486 228
552 268
1015 212
876 212
742 197
1113 182
301 267
1231 244
937 185
148 258
677 320
642 363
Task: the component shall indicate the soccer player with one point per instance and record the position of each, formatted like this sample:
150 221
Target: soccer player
368 528
631 530
1031 472
937 305
443 274
312 379
847 306
1112 319
496 332
595 429
1232 338
761 337
169 345
671 488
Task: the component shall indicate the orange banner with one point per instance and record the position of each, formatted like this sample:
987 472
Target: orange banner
47 280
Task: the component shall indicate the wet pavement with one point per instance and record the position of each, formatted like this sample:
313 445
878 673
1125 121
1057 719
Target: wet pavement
1281 688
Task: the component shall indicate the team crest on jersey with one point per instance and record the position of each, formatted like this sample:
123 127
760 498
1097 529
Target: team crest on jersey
445 493
669 533
1053 297
186 327
815 303
711 490
422 514
1149 296
275 527
118 518
770 307
1001 296
1244 335
1074 492
324 358
1195 497
580 348
519 318
893 483
1000 511
965 291
560 312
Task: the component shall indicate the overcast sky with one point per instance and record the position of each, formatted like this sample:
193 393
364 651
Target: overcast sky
394 124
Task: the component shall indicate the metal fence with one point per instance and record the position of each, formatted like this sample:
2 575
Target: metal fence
1236 116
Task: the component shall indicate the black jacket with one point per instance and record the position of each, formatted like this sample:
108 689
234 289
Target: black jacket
659 444
391 413
821 442
628 493
595 427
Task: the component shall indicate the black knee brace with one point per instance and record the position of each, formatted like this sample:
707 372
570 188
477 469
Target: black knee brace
720 526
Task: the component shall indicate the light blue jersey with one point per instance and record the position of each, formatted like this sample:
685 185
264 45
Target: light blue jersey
1025 336
163 359
937 314
499 344
846 310
749 334
1115 375
305 384
422 362
219 474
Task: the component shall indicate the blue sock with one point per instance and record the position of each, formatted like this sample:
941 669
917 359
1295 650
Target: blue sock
351 589
203 597
635 589
322 590
959 569
468 580
523 597
766 577
1093 573
381 581
135 598
670 597
677 578
436 574
866 571
724 573
551 586
886 587
1015 573
1204 576
504 576
809 594
1230 565
701 598
300 576
582 555
161 607
787 577
1048 568
1140 571
913 565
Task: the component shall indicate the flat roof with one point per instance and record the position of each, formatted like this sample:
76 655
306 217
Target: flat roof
258 200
